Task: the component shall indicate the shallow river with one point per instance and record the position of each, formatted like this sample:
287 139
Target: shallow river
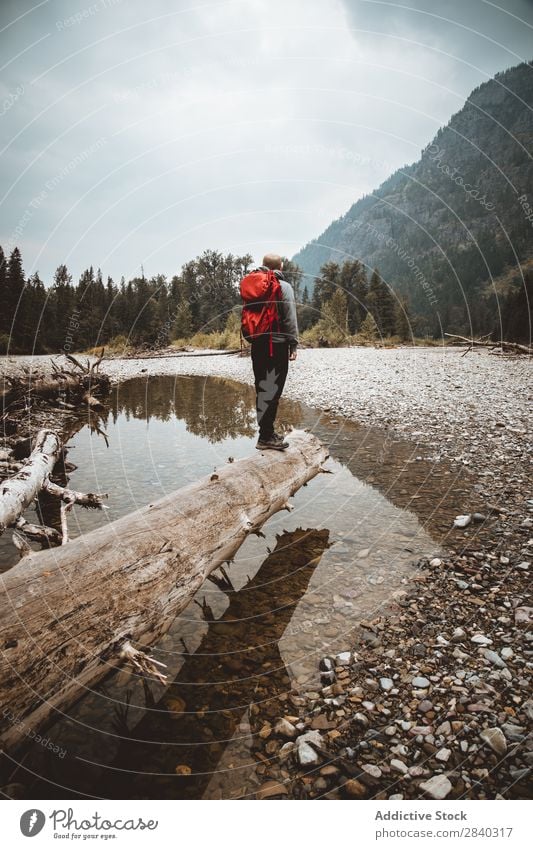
288 599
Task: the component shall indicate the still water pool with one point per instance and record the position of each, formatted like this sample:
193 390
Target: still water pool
255 633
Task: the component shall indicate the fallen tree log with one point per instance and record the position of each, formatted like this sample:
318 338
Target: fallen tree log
70 614
513 347
17 492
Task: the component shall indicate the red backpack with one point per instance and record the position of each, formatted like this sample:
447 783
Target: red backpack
260 293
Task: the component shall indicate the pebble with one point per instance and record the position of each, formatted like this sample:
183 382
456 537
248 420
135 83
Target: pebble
399 766
344 658
523 615
528 708
438 787
514 733
519 774
425 705
286 729
458 635
507 653
286 750
386 683
435 563
420 683
416 771
494 658
355 788
495 738
443 755
372 769
271 788
462 521
320 723
306 754
481 640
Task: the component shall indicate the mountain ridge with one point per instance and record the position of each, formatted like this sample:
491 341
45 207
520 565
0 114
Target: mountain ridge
459 214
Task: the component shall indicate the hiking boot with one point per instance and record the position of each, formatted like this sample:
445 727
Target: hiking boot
275 443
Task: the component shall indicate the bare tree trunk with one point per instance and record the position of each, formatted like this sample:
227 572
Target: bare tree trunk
71 613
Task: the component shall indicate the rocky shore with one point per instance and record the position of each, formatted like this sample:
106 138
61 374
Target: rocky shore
433 698
432 701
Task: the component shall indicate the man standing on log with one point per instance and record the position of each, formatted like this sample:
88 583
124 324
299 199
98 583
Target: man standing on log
269 323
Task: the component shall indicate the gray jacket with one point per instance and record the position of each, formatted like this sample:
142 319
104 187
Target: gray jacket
287 313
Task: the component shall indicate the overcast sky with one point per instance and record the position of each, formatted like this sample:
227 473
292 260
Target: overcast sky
142 133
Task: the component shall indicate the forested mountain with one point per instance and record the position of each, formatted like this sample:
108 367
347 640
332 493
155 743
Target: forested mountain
449 231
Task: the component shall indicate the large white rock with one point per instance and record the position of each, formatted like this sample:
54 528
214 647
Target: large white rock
437 787
495 738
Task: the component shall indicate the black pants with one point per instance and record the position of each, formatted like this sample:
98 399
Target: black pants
270 374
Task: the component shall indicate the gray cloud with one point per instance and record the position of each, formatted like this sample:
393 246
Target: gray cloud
138 134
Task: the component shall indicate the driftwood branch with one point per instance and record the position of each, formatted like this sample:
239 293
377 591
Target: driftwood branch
69 613
82 384
38 533
20 543
72 496
141 661
483 342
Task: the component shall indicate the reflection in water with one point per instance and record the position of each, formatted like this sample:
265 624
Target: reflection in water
214 410
236 666
292 596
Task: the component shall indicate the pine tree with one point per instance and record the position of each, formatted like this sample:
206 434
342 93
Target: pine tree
374 301
369 330
334 322
34 331
326 284
294 275
352 279
382 305
3 293
183 326
63 299
403 320
14 304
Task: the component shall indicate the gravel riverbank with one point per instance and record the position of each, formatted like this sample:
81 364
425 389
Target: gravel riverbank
433 698
471 409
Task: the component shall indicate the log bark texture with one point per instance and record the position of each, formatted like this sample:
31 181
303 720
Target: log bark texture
66 614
